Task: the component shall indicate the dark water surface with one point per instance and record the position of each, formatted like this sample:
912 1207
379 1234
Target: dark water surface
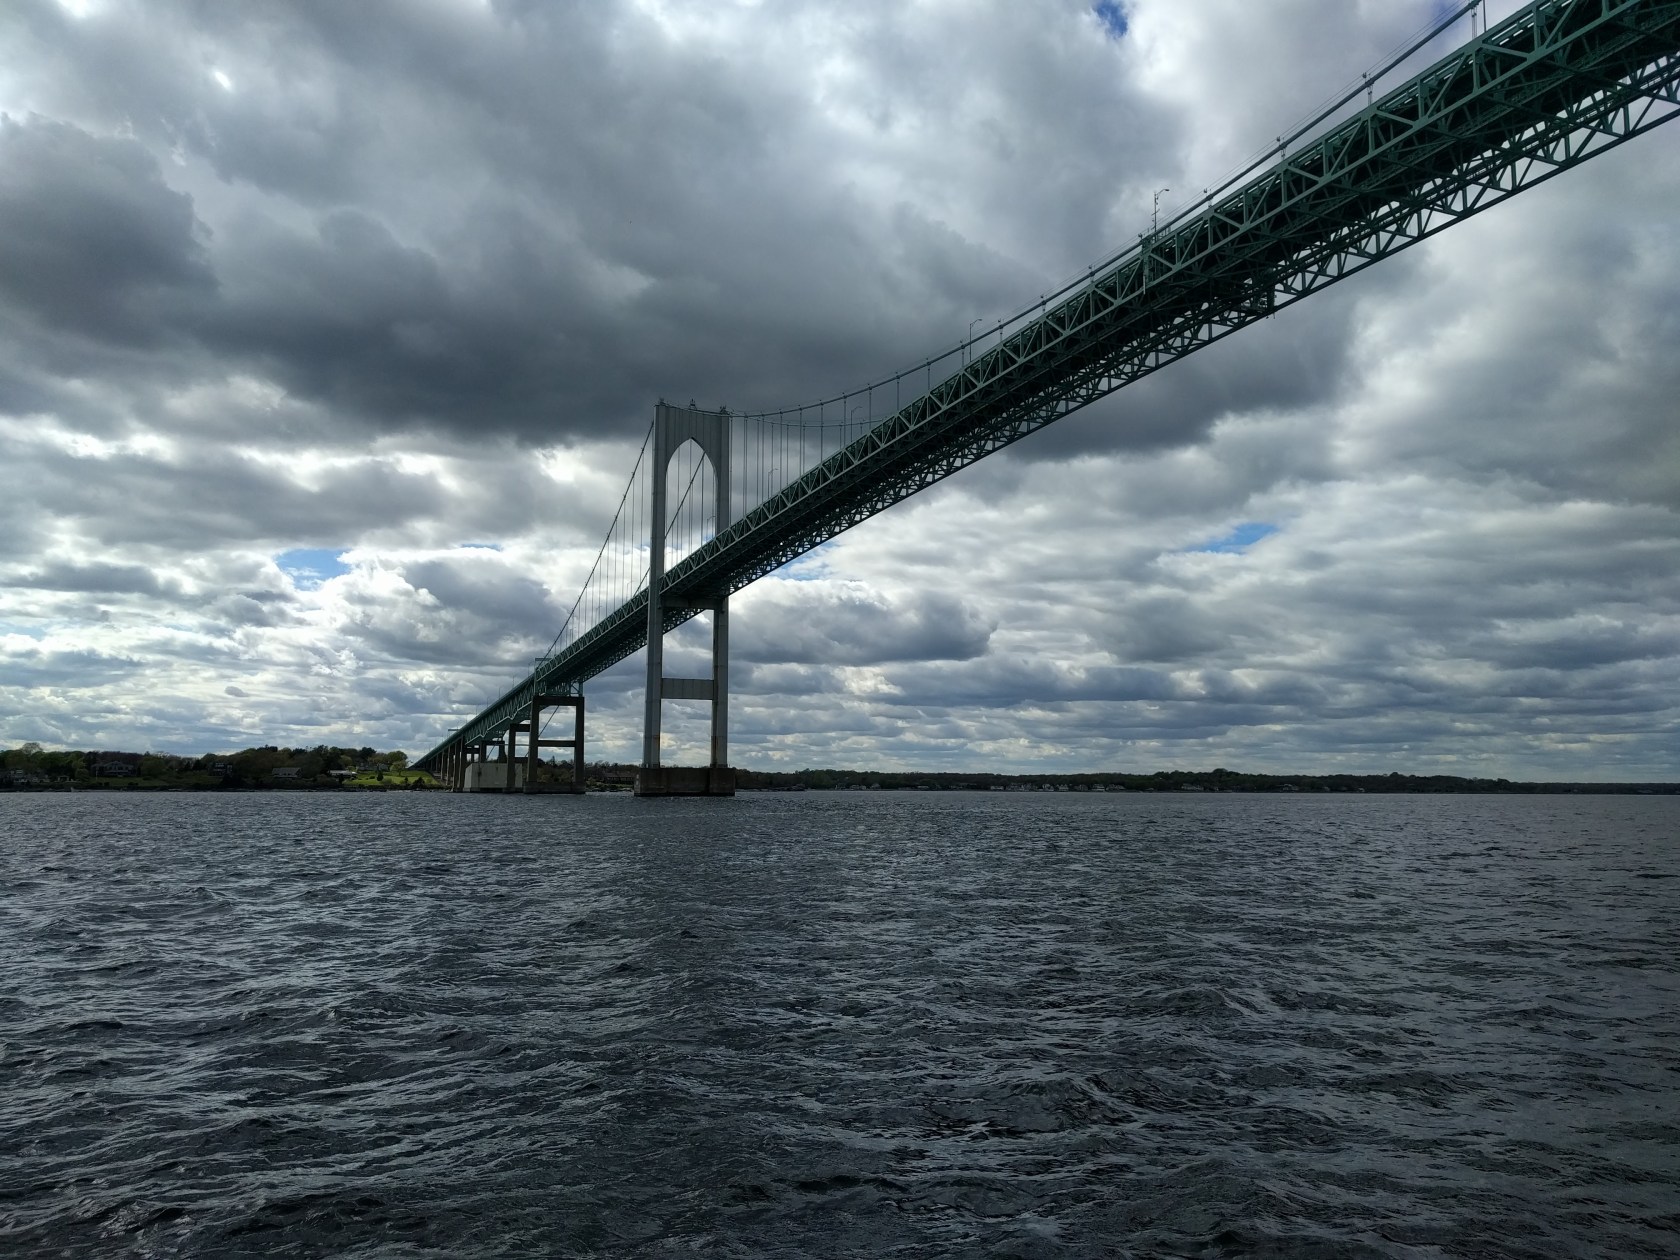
840 1024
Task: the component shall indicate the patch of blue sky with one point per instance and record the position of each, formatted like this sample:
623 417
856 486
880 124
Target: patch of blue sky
1240 538
481 546
810 567
1112 16
308 567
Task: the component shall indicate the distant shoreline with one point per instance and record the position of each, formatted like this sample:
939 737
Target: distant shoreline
619 778
329 768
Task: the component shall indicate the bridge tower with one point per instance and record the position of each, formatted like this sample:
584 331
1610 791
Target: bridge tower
709 430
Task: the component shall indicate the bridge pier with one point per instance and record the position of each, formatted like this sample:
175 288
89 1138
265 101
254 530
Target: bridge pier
709 430
467 767
535 743
479 773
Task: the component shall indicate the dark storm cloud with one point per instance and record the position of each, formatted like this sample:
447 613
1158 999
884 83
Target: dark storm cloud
519 218
1166 628
214 496
1579 644
63 671
95 242
102 578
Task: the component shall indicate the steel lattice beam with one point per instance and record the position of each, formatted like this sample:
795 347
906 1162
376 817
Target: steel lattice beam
1552 86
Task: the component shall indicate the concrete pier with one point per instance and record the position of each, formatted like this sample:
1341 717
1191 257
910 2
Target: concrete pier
468 767
685 781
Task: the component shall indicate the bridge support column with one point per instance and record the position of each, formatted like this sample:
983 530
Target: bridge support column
533 754
709 430
535 743
515 762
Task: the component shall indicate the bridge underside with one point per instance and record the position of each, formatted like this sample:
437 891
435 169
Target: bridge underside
1552 86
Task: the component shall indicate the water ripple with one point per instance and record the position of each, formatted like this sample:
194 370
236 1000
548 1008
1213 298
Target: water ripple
839 1024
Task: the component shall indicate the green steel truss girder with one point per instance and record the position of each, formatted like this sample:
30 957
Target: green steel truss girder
1555 84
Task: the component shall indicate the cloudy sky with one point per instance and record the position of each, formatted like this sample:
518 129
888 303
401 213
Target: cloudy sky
329 332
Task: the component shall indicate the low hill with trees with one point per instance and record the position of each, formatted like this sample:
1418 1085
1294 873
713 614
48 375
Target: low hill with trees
269 766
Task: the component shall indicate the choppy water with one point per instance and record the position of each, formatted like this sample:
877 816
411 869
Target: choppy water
840 1025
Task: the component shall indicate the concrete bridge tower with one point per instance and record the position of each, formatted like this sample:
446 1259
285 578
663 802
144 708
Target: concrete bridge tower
709 430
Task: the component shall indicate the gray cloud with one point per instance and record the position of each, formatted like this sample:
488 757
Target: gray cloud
96 243
819 623
642 185
128 579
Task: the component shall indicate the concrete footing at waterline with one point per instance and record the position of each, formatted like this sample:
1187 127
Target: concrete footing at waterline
509 777
685 781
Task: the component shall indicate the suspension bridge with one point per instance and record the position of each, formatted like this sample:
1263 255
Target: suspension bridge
718 500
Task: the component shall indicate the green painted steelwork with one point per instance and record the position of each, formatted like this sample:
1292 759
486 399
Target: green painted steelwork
1553 85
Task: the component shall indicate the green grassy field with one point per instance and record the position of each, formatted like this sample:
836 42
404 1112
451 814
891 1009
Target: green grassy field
392 779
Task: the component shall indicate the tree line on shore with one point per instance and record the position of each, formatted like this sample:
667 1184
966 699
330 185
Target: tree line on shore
325 765
1220 780
269 765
